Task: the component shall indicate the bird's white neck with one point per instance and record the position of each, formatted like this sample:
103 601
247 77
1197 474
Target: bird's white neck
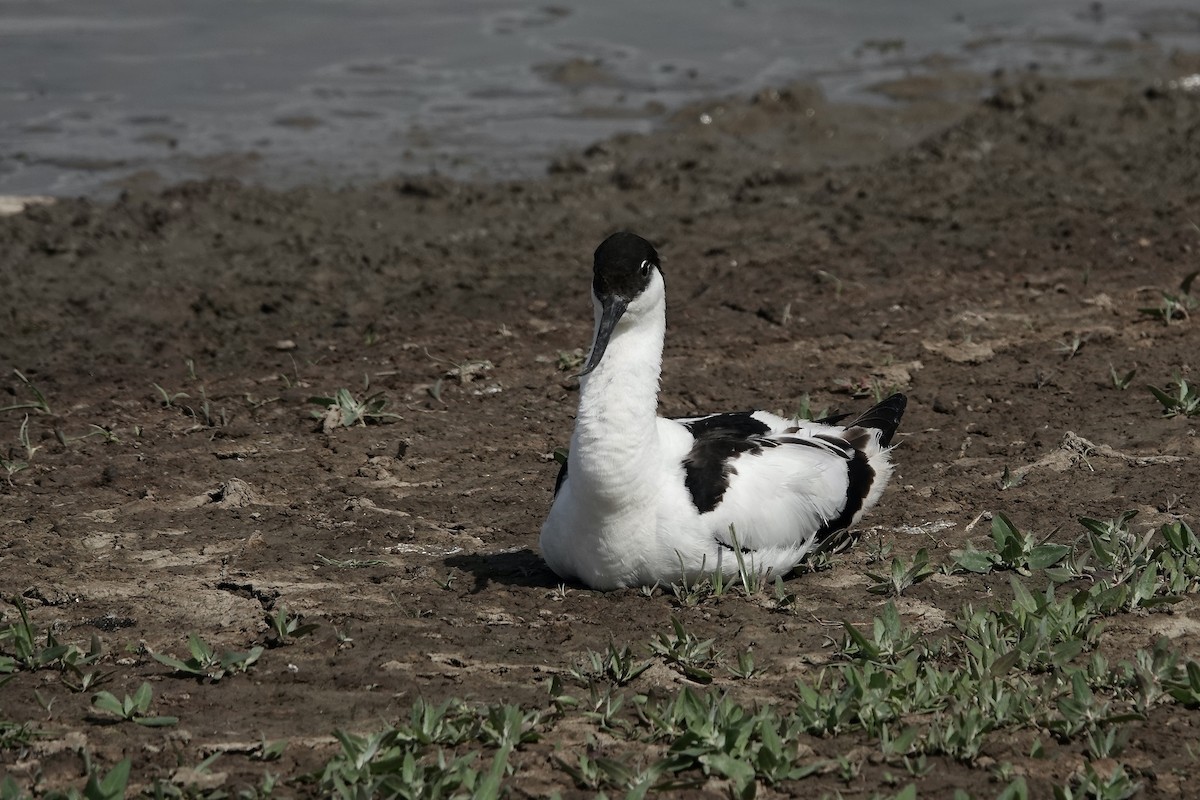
616 427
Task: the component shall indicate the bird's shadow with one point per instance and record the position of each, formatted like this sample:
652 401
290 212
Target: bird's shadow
514 568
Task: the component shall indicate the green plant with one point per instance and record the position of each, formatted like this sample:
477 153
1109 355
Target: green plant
110 786
782 600
132 708
74 660
167 399
711 733
878 550
752 579
1114 546
1178 558
1137 573
13 734
691 591
206 414
1070 347
1179 398
820 558
21 639
918 766
599 773
1186 688
269 751
205 663
805 409
848 768
379 765
344 410
1121 382
12 466
693 657
1049 631
284 626
1150 674
1082 712
745 667
508 726
1108 741
23 438
1014 550
900 745
450 723
96 430
959 736
1093 785
603 708
617 666
889 641
39 403
901 576
1175 306
1010 479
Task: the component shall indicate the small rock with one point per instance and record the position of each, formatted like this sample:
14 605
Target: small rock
234 493
200 779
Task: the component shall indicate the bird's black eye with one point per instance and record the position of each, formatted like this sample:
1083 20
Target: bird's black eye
646 265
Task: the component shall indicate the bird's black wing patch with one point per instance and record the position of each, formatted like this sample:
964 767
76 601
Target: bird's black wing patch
718 440
733 423
859 477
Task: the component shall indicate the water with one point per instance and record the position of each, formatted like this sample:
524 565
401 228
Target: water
282 92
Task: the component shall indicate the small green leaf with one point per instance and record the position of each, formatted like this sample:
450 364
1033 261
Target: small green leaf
1003 530
111 786
973 560
1004 663
1022 598
142 697
176 664
1047 555
726 765
200 649
107 701
1017 790
156 722
696 673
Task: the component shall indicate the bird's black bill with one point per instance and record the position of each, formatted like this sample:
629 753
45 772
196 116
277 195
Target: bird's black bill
611 309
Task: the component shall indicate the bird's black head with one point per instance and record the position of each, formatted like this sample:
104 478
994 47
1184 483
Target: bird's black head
624 263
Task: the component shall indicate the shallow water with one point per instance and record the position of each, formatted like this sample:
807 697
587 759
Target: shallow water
332 91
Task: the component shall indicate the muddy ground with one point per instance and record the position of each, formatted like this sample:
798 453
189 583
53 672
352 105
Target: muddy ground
987 257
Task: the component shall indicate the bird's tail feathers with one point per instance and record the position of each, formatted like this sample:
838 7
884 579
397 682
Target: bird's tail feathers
883 417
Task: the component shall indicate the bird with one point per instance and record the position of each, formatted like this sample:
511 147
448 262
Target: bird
643 500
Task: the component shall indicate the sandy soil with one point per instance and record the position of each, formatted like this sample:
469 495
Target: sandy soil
987 258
